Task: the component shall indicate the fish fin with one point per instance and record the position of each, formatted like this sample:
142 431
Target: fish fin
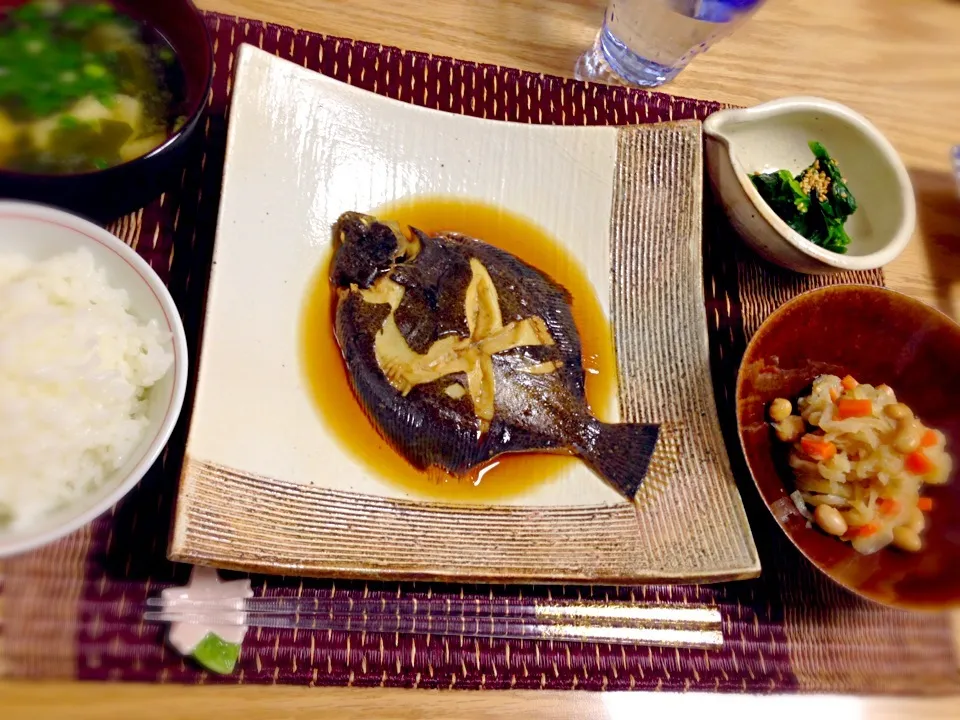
621 453
664 465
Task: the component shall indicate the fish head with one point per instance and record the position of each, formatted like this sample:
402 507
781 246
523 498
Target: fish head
366 248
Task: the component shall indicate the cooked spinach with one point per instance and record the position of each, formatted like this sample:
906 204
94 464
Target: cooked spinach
816 203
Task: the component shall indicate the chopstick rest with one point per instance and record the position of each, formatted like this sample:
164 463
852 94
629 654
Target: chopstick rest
214 643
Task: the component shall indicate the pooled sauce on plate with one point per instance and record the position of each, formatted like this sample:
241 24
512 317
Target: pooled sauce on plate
341 412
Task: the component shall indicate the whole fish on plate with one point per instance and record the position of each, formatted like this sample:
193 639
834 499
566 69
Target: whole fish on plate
459 352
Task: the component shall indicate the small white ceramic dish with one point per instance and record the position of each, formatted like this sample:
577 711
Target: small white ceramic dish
775 136
40 232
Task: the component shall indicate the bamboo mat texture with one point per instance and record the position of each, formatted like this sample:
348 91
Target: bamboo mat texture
72 610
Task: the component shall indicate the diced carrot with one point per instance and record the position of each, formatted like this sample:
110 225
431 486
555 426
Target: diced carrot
834 394
929 439
817 448
888 506
849 383
850 408
925 504
918 463
862 531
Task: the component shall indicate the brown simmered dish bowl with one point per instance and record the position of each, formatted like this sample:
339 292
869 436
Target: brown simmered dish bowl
877 336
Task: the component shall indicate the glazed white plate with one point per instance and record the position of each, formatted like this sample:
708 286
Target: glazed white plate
266 486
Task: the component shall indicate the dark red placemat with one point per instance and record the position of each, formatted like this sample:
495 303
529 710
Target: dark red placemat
73 609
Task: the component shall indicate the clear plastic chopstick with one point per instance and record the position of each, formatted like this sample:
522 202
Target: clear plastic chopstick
585 621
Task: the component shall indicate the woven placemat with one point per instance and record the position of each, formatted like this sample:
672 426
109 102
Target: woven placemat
73 609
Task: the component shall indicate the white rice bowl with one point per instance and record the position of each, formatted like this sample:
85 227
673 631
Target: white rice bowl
92 372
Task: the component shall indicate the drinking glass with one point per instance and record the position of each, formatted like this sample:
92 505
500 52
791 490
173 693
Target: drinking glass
648 42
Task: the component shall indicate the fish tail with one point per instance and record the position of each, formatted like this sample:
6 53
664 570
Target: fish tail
620 453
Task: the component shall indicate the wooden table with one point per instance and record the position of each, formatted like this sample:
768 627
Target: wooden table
896 62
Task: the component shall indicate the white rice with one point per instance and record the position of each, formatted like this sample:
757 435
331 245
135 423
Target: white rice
74 368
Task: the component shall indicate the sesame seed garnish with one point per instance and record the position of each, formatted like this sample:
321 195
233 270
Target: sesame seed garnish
815 179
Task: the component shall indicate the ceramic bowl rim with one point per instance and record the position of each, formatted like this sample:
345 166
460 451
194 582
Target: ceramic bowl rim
907 199
90 232
802 297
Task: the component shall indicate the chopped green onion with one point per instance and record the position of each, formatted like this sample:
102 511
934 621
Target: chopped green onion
94 71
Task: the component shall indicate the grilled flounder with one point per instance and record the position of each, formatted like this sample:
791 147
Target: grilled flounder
459 351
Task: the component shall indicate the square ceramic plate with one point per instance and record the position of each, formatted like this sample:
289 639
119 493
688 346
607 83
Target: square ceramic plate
267 486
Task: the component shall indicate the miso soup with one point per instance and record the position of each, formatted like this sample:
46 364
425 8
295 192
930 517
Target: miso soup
83 87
